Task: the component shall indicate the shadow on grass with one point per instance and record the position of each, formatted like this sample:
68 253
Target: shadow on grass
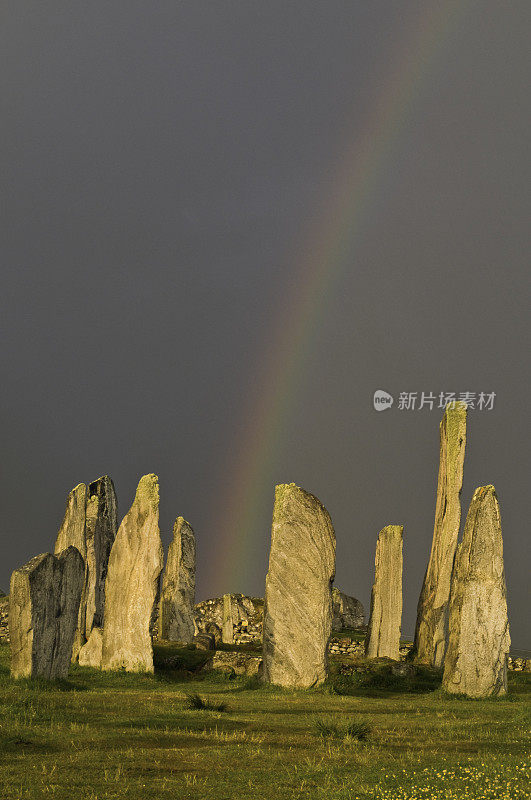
379 680
22 744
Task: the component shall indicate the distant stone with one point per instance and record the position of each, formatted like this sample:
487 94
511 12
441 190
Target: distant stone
101 527
476 660
383 636
204 641
298 600
235 663
214 631
72 534
227 630
432 611
43 612
347 611
90 653
135 564
177 599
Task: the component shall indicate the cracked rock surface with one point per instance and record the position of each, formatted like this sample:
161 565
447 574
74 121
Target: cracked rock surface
476 660
298 597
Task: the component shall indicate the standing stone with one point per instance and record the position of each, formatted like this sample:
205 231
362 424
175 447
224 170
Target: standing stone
298 598
101 527
347 611
43 613
432 611
383 636
135 564
476 660
227 630
72 533
72 584
72 530
177 600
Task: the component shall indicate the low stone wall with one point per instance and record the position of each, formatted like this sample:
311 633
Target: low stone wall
344 645
519 664
248 612
247 615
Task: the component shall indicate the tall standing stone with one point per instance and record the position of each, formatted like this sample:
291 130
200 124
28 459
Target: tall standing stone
90 524
72 584
476 660
227 629
72 533
298 598
44 602
432 611
132 581
101 527
177 598
72 530
383 636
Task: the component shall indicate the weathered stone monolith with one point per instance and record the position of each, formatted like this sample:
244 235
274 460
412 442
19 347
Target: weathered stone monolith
227 629
298 599
72 530
476 659
132 581
432 610
72 533
383 635
101 527
44 602
177 597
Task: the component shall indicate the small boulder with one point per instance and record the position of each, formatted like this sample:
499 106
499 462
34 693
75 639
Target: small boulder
403 669
204 641
235 663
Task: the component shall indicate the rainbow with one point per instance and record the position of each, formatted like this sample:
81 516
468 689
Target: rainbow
320 263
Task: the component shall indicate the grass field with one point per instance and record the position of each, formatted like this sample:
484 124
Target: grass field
142 736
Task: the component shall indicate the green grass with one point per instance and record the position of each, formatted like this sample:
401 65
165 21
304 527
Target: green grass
114 736
346 730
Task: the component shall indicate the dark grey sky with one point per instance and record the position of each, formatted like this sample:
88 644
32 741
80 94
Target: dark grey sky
160 163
